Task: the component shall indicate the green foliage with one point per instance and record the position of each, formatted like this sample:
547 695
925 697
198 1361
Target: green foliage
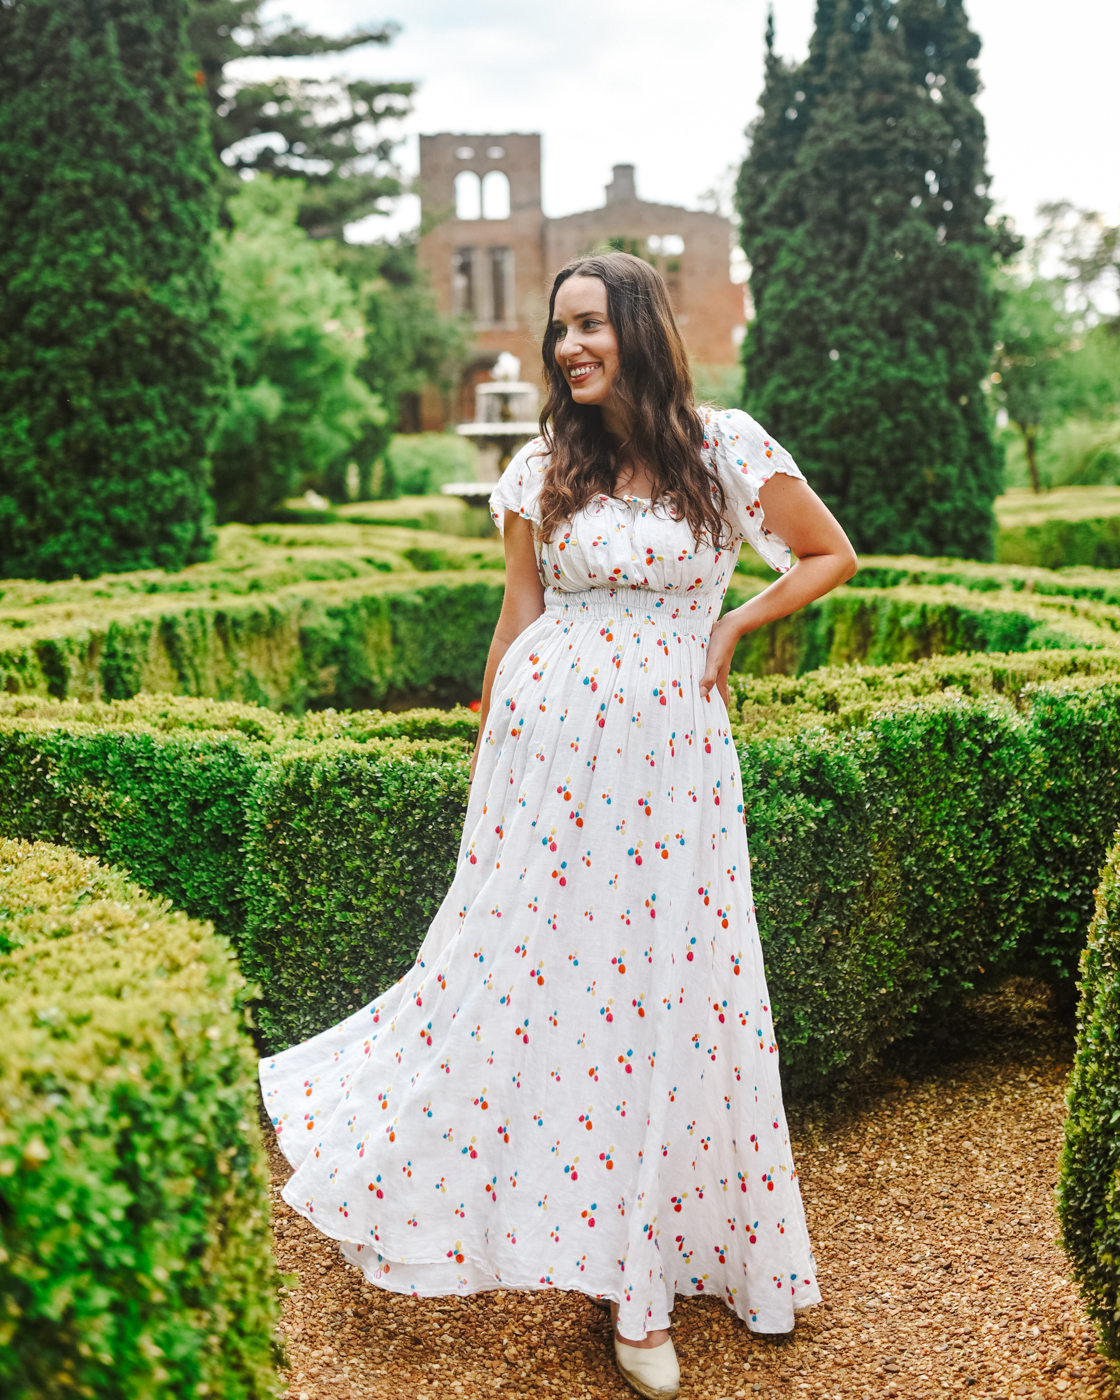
888 866
322 132
349 852
1088 249
846 697
161 784
420 463
907 623
135 1255
1064 399
1047 588
298 410
112 350
351 643
909 827
1038 356
300 616
1070 705
447 515
1076 806
290 616
169 806
1089 1176
864 205
1062 544
1022 507
409 344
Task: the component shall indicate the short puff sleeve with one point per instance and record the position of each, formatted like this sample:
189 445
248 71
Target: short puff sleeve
520 485
745 458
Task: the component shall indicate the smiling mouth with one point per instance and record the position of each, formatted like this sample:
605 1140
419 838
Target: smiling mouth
578 372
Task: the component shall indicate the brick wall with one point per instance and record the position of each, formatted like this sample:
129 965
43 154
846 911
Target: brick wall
499 270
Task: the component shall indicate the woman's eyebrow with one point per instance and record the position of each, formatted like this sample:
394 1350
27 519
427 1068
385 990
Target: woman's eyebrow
579 316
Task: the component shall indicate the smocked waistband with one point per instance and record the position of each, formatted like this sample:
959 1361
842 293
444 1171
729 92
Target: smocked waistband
635 604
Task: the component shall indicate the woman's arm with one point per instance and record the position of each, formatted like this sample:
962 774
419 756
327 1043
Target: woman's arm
825 559
523 604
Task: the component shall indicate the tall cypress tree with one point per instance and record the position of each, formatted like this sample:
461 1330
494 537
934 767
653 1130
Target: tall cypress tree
864 206
112 361
325 133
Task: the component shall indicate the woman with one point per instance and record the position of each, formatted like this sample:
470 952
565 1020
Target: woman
576 1086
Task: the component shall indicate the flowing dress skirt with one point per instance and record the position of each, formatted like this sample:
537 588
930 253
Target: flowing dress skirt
576 1086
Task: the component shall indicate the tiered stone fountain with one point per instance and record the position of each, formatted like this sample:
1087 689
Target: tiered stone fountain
505 418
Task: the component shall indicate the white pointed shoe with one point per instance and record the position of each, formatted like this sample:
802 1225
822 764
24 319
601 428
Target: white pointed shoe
652 1371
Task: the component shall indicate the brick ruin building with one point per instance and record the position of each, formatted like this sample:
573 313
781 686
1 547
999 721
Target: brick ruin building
491 253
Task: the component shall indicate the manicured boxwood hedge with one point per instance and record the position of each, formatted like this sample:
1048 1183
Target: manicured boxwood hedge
1089 1177
901 622
1058 544
299 617
352 643
350 848
932 822
844 697
893 571
134 1249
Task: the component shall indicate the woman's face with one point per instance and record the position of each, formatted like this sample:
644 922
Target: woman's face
586 345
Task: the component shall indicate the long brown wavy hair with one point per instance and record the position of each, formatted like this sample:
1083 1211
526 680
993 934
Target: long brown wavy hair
653 387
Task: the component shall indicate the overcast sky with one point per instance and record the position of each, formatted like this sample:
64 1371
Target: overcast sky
670 85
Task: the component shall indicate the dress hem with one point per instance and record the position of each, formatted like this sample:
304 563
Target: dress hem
526 1286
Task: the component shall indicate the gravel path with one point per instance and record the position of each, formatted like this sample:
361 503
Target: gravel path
929 1195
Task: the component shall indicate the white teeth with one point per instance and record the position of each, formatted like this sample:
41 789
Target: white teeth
581 371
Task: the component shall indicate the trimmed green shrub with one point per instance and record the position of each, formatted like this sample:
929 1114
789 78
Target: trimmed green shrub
903 623
112 348
1071 704
1074 808
448 515
134 1243
349 852
909 826
889 867
169 807
844 697
885 571
354 643
300 616
1060 544
1088 1195
163 785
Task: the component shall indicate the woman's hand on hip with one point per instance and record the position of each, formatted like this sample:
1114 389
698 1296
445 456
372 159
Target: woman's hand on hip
721 648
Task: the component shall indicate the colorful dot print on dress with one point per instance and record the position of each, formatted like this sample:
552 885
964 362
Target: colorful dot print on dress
576 1086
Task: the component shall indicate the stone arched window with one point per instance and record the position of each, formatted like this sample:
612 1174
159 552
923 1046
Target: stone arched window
495 195
468 195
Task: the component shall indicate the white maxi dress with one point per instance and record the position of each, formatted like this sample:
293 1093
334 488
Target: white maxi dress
576 1086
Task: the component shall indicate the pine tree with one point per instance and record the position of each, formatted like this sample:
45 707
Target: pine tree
865 219
323 132
111 354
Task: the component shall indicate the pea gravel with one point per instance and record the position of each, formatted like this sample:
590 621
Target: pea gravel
929 1191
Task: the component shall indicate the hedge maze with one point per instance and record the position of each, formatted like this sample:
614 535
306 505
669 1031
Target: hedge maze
930 757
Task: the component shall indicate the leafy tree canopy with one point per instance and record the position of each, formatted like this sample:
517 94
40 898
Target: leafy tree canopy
298 411
1058 353
408 343
325 133
1087 249
864 203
